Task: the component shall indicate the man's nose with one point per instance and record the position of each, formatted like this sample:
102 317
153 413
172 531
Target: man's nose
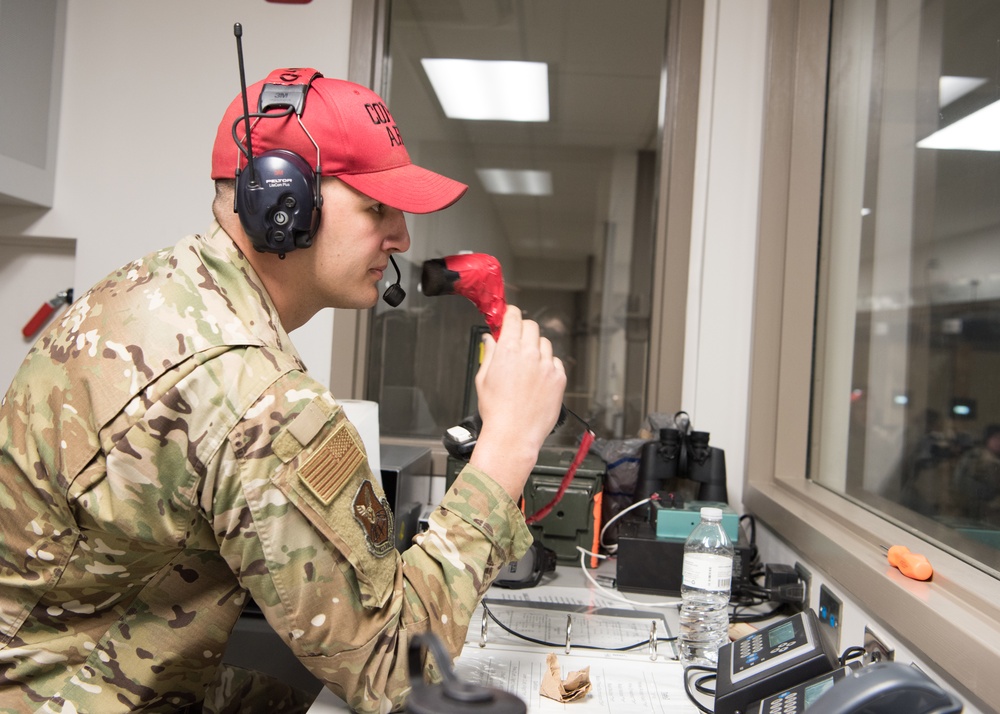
398 238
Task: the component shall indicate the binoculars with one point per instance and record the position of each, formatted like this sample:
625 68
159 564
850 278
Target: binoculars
682 455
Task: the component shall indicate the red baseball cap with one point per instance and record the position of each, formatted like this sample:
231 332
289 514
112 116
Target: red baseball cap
358 141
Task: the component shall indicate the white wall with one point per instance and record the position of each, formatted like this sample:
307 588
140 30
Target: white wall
144 85
724 228
33 271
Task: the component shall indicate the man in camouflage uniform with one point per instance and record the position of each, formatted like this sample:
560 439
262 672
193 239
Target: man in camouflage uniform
165 456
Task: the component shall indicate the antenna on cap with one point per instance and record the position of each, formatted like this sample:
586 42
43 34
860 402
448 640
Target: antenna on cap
238 31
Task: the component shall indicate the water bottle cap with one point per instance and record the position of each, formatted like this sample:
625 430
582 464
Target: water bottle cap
710 513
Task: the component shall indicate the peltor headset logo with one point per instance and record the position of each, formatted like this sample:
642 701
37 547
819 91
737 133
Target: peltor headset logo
379 114
277 180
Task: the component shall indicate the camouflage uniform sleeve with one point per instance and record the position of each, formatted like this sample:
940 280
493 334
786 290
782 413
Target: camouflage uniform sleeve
308 532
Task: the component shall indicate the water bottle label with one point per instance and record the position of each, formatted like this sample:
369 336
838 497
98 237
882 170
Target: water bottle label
706 571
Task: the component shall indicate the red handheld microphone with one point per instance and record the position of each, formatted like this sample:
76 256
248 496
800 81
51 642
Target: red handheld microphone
476 276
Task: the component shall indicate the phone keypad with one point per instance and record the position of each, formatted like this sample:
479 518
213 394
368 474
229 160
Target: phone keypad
786 704
750 648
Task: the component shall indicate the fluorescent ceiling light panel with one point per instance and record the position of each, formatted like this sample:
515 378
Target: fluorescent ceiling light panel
490 89
976 132
512 182
952 88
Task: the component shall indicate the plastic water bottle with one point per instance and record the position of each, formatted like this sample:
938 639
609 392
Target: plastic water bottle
705 586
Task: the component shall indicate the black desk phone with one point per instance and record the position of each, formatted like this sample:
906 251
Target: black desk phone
797 699
789 666
776 657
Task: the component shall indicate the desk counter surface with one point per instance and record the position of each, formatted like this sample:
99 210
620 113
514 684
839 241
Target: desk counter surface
623 681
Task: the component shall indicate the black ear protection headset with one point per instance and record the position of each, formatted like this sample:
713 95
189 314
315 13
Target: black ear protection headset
279 202
278 195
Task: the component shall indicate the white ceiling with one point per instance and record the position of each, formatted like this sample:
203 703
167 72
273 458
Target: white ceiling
604 85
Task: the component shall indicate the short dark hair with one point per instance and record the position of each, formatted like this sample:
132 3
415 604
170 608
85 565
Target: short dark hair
990 431
223 203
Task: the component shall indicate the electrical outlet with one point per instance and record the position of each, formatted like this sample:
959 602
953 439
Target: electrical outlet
806 577
876 649
830 609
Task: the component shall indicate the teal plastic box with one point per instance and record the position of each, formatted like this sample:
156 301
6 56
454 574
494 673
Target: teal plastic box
672 522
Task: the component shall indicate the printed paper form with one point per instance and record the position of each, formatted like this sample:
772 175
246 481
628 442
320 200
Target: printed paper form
623 682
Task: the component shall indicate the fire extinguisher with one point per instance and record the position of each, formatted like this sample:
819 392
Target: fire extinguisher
45 312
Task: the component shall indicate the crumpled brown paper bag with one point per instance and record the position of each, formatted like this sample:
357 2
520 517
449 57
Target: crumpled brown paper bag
574 687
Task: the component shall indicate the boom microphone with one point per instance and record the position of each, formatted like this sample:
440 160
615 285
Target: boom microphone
394 294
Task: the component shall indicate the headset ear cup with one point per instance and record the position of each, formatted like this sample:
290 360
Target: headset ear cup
276 202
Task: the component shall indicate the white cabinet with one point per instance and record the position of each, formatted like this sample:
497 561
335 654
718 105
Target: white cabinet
31 64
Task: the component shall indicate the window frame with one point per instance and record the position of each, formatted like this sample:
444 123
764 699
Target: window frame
949 621
675 177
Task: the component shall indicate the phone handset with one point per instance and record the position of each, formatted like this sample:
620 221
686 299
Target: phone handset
886 688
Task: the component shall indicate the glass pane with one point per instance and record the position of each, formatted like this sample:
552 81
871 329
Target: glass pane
908 361
576 251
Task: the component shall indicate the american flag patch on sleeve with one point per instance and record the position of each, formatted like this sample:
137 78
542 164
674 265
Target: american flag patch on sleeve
327 470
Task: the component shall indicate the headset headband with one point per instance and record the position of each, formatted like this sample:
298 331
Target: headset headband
283 88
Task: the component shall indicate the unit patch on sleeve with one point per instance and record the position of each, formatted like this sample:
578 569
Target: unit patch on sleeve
332 465
375 518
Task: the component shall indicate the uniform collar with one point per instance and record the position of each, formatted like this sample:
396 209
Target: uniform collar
224 259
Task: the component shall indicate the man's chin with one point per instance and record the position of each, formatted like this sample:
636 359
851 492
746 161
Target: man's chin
360 297
367 301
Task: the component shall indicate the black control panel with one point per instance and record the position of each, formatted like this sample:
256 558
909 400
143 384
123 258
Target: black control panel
771 646
777 657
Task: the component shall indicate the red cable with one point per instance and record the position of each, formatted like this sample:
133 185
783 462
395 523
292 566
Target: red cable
581 452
